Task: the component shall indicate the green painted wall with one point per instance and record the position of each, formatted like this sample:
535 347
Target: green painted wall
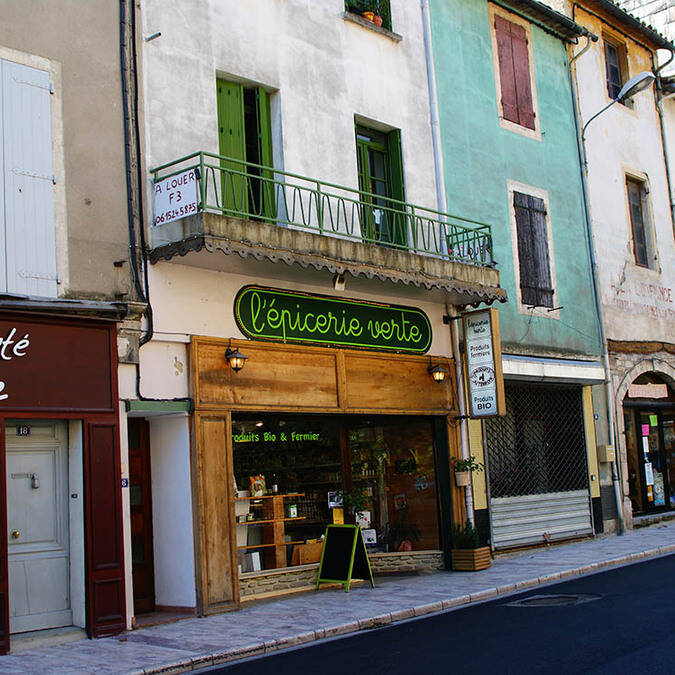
480 157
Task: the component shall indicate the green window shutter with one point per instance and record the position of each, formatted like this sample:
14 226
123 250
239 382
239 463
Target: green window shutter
397 185
267 187
232 143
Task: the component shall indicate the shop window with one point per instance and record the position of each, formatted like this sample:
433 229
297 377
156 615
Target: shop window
245 139
380 167
638 209
514 76
616 68
297 474
377 11
534 259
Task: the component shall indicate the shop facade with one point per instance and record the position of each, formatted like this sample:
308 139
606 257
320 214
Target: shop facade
62 561
304 436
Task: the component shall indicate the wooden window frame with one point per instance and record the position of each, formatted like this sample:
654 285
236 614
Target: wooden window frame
493 12
609 40
524 308
646 224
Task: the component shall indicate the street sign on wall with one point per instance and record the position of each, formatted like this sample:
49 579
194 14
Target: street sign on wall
309 318
483 363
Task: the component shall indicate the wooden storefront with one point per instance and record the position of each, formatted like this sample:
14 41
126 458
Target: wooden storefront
281 378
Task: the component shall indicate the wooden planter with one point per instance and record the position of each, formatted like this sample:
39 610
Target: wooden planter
471 559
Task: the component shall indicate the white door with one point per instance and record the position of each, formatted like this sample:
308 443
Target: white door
37 522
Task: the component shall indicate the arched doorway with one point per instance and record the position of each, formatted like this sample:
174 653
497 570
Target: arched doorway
649 426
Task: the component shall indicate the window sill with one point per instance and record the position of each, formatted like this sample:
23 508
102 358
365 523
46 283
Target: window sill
355 18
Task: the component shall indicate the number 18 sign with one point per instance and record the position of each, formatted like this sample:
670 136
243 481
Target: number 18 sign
483 362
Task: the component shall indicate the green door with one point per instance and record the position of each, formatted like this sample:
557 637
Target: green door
232 144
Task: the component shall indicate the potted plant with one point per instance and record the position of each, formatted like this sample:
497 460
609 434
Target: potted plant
356 502
467 553
463 469
400 535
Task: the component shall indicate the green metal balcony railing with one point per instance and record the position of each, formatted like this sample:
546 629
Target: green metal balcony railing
241 189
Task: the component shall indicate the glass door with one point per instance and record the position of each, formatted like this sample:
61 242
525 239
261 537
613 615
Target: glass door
652 459
668 431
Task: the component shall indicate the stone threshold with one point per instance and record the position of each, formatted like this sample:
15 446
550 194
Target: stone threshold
652 518
228 655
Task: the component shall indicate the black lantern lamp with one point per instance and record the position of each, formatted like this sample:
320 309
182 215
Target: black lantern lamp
438 372
235 358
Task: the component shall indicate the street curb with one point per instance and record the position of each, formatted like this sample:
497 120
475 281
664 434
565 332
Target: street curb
258 649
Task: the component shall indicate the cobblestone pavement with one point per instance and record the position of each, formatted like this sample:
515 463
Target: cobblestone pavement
198 642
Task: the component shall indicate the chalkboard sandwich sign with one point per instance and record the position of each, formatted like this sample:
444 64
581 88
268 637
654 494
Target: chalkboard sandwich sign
344 557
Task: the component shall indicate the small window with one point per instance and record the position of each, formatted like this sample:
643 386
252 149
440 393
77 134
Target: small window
515 84
245 138
377 11
380 168
616 68
637 203
536 288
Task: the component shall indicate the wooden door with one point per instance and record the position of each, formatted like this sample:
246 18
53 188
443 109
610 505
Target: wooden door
37 525
140 498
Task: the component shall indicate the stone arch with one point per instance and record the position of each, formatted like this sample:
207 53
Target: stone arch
647 365
659 366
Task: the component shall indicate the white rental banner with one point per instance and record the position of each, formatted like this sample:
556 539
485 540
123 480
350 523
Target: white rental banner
176 197
483 362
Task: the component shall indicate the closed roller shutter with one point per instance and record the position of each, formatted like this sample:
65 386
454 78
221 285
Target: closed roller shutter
538 472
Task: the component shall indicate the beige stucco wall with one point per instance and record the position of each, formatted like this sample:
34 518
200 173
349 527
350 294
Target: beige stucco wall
638 303
78 43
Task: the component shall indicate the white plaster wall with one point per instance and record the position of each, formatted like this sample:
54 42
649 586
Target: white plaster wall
173 543
321 69
638 303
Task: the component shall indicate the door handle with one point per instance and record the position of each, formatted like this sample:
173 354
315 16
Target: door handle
16 534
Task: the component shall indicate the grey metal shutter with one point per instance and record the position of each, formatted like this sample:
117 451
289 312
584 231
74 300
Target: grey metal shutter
533 256
537 466
29 249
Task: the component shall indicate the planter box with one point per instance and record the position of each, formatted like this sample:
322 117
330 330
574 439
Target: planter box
462 478
471 559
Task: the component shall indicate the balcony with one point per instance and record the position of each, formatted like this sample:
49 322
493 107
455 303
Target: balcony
254 210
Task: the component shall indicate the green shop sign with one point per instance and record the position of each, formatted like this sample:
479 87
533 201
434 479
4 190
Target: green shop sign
296 317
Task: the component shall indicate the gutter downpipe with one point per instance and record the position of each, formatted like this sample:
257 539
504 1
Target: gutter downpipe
583 169
660 98
442 207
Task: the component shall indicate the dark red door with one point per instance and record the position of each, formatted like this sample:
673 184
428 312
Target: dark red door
140 498
4 575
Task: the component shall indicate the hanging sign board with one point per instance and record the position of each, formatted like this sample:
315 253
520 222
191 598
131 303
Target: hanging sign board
483 363
176 197
344 557
296 317
652 390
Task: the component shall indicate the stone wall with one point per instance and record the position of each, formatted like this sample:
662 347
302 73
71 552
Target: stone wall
303 577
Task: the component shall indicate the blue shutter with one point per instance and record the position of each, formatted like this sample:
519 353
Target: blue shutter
28 227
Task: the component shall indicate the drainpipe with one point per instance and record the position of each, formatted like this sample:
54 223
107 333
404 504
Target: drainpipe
660 98
441 202
441 205
461 405
596 293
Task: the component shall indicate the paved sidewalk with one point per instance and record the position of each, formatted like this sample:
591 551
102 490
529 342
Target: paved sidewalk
267 626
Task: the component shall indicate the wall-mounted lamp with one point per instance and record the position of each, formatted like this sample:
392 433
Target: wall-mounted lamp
438 373
235 358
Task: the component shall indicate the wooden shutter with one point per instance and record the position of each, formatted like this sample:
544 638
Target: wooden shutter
4 572
399 230
533 256
264 120
232 143
635 200
29 247
514 72
106 608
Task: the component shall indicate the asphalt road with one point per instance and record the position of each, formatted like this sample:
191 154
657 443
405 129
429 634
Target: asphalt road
630 628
